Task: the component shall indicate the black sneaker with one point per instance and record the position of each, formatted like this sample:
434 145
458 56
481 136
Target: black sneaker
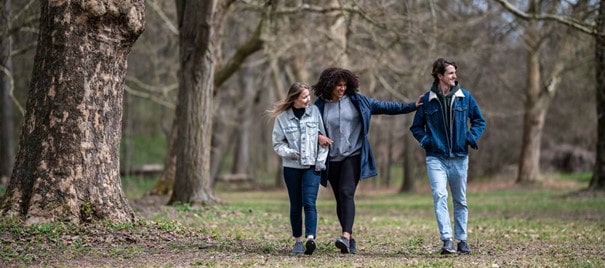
448 247
310 246
343 244
352 246
463 247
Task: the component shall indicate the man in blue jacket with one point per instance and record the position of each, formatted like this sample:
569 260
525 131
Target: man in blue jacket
441 126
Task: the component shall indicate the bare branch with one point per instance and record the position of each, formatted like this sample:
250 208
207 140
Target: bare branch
163 16
586 27
255 43
25 8
322 10
12 89
145 95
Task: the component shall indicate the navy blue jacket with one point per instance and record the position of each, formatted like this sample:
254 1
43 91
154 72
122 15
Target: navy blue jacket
366 107
429 126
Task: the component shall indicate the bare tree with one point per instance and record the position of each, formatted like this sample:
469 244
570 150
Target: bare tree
541 87
192 182
598 31
598 176
222 72
67 166
6 85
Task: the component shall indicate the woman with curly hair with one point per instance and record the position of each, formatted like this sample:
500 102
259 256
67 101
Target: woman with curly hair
346 115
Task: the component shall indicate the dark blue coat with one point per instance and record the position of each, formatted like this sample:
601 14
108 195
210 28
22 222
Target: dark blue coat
366 107
429 126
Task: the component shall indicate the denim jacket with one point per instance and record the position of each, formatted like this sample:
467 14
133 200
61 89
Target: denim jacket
429 126
367 107
292 135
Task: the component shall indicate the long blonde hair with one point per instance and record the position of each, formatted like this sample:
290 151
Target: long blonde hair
295 90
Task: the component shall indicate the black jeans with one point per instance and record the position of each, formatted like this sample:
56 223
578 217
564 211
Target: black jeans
344 177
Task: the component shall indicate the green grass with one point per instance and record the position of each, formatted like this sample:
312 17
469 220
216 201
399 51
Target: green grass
583 177
507 228
139 150
136 186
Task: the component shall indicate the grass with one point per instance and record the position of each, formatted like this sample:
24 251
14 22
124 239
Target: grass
507 227
136 186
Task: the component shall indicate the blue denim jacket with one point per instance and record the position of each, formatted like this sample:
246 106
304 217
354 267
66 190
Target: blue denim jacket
291 135
367 107
429 125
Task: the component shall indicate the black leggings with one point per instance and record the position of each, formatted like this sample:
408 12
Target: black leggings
344 177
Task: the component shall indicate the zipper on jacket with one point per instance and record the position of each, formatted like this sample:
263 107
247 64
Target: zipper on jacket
452 124
447 135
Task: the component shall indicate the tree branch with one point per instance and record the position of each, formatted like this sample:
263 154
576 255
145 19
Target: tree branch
589 28
255 43
163 16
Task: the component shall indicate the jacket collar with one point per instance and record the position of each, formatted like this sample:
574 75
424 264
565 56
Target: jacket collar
433 95
291 115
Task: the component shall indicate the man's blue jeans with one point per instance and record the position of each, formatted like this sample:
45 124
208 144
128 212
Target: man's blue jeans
452 171
303 185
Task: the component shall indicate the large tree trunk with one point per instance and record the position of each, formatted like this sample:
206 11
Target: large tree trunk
533 123
539 96
7 139
67 166
196 83
598 177
255 43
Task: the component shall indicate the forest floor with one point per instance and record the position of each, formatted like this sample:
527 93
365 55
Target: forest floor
509 225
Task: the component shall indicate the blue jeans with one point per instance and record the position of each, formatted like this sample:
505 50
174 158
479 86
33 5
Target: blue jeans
452 171
302 185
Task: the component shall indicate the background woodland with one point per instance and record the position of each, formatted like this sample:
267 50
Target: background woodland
514 66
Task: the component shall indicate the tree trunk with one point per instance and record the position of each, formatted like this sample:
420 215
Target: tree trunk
219 144
196 83
7 139
338 32
533 123
255 43
163 185
598 176
408 184
389 162
67 166
242 149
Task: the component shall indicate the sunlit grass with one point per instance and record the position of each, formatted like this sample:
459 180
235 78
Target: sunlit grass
508 227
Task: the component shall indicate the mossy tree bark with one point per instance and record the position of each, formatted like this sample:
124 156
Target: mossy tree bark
67 166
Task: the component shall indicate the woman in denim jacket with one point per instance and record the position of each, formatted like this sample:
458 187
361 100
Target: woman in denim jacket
346 115
441 127
295 139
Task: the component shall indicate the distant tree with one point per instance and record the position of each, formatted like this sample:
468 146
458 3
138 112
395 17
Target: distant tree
67 165
598 176
6 113
222 72
192 182
597 30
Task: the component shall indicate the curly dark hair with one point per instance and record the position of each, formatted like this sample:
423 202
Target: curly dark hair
330 77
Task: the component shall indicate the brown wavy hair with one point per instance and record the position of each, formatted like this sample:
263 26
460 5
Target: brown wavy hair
293 92
439 68
330 77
